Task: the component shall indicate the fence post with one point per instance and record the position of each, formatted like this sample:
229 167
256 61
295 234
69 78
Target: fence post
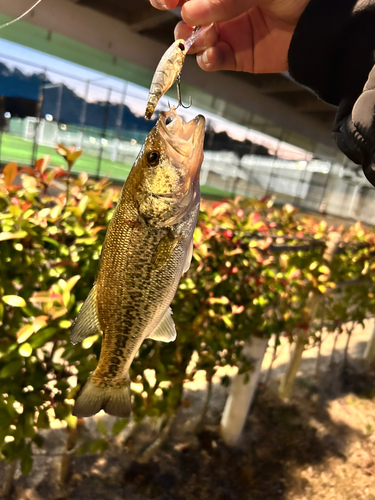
9 479
369 355
312 305
38 115
103 133
241 393
120 116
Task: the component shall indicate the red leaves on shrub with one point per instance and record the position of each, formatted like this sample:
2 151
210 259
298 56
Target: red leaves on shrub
10 173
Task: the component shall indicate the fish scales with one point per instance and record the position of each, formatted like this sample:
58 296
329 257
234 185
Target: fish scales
135 306
147 247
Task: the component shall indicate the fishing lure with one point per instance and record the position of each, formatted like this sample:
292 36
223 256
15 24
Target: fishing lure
169 69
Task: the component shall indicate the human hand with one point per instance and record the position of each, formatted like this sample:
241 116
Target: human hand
248 35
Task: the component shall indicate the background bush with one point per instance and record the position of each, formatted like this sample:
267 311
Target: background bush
254 265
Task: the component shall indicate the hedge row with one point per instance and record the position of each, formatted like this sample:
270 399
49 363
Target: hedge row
254 265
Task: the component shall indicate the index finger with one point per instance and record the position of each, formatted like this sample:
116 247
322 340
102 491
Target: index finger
167 4
200 12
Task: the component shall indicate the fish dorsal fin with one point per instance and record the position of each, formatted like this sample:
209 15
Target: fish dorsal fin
87 321
166 330
188 257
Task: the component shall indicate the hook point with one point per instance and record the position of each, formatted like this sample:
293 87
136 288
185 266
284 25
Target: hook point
179 97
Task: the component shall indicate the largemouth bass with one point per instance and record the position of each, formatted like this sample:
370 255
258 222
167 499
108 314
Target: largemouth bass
147 247
169 69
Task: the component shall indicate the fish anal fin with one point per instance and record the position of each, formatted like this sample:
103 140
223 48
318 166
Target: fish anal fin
166 330
115 401
188 257
164 250
87 321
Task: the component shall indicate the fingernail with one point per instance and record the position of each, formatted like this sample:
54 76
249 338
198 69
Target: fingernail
205 58
158 4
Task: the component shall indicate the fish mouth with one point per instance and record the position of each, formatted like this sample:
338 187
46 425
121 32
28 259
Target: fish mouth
180 134
184 139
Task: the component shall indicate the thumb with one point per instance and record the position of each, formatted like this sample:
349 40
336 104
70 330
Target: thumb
200 12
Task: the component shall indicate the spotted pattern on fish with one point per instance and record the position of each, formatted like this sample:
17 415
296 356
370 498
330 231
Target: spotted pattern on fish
130 290
143 257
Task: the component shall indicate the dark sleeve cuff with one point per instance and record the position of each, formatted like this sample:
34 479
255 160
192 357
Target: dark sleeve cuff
332 49
333 52
355 133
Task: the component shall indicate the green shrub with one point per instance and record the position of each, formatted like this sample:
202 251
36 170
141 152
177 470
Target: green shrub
247 278
47 245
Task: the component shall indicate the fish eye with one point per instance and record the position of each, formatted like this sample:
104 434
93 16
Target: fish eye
181 46
169 120
153 157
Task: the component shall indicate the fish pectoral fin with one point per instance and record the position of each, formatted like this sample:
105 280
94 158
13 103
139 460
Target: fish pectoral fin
164 250
87 321
188 257
166 330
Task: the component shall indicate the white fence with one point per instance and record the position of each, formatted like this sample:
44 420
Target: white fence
314 185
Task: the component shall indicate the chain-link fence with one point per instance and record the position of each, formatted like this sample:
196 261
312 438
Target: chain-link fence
43 107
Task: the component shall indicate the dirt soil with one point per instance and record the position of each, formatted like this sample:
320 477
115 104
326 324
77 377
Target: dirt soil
319 445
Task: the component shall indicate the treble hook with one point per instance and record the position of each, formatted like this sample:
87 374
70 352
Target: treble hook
179 98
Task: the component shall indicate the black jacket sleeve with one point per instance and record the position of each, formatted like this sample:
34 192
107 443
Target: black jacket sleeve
333 53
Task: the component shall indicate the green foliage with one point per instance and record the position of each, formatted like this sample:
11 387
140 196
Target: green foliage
48 243
253 267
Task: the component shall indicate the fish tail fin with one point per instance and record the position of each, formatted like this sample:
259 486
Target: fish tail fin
115 401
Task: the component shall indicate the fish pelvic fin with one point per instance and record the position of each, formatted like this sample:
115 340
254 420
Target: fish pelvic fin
87 321
115 401
166 330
